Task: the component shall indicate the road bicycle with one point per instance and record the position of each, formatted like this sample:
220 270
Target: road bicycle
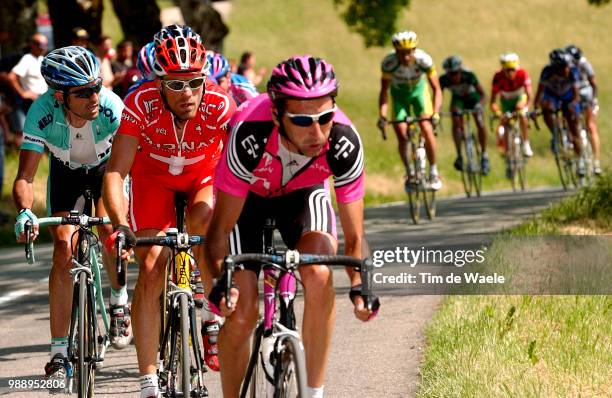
180 363
417 185
87 338
516 162
276 366
471 171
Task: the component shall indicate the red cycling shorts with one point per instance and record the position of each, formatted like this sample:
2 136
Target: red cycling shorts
152 197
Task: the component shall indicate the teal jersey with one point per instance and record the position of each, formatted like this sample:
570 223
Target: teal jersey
46 126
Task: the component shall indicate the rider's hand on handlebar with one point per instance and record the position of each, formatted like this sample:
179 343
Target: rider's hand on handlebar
130 240
22 217
217 302
359 306
382 123
435 119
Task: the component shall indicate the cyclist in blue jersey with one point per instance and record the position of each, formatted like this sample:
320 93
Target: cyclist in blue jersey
144 63
240 88
588 100
558 89
75 120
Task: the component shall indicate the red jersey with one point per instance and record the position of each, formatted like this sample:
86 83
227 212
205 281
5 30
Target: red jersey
160 152
511 89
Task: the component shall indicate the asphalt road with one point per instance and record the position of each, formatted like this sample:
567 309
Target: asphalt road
377 359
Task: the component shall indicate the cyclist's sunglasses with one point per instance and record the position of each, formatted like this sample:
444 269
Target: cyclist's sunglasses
304 120
179 85
87 92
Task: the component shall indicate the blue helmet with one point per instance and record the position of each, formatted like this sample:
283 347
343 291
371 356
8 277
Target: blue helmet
218 65
71 66
146 60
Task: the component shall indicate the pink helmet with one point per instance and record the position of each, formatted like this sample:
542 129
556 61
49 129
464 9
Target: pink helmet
303 77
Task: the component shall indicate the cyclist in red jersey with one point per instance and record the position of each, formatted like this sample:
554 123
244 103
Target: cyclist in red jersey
170 139
513 85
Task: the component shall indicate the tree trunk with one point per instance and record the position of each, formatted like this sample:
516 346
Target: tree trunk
205 20
69 14
17 24
139 20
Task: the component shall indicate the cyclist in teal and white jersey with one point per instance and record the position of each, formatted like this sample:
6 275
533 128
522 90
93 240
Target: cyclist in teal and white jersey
75 120
468 95
238 86
407 71
587 89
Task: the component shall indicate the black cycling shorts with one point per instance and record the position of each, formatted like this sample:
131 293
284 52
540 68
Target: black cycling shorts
296 213
66 186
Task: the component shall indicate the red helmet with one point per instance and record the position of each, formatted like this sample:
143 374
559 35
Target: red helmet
178 49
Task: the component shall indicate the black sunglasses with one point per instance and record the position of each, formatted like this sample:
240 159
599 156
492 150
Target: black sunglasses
87 92
305 120
179 85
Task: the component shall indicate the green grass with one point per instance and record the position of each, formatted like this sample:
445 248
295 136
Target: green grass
479 31
531 346
519 346
591 207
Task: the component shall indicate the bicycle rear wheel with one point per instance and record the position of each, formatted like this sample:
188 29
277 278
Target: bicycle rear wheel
429 199
290 371
560 153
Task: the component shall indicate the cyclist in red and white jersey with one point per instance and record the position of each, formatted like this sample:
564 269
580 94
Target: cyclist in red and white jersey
283 147
170 139
513 85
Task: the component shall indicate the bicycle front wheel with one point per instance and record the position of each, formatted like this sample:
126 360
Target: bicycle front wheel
85 341
185 358
290 371
429 199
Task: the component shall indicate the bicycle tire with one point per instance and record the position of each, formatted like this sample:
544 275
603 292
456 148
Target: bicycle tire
413 185
255 375
290 370
429 199
185 358
465 175
84 367
476 169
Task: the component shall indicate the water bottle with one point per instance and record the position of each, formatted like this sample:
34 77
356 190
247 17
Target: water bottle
267 346
421 157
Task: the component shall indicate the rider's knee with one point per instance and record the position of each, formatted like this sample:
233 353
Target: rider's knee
61 253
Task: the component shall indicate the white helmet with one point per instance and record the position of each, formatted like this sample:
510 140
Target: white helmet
405 40
509 61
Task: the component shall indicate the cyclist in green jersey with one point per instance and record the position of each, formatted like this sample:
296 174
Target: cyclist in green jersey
406 73
468 95
75 120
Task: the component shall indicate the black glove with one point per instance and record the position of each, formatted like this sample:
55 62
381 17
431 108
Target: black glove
130 238
356 291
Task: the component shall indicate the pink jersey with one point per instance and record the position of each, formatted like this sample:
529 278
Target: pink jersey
250 161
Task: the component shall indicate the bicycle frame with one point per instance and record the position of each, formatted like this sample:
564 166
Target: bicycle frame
85 269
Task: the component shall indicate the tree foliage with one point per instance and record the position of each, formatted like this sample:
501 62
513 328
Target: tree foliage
375 20
598 2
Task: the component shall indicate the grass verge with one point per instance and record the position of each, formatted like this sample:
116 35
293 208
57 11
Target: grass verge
522 345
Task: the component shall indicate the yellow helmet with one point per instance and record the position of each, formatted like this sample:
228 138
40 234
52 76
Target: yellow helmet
405 40
509 61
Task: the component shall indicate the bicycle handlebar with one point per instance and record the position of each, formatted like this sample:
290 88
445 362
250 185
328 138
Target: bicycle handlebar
80 220
178 241
289 260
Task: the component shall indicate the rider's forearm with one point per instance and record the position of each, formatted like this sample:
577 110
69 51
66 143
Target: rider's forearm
114 201
355 247
382 103
23 194
216 249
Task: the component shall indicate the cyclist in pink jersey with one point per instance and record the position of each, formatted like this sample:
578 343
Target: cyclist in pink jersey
283 147
170 139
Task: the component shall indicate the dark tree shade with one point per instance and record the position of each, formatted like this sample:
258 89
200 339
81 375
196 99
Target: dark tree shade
598 2
206 21
375 20
17 24
68 14
139 20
